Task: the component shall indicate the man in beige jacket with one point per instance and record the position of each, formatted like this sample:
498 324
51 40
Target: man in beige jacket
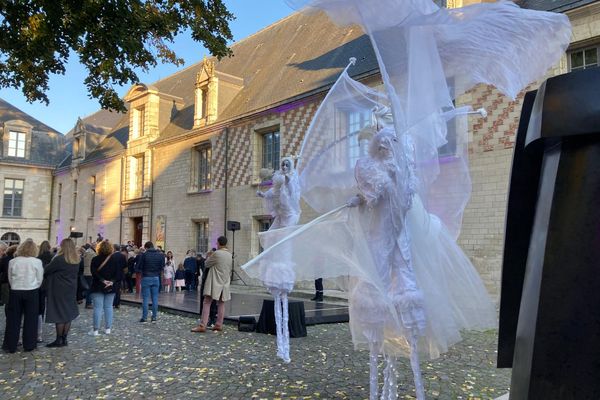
218 267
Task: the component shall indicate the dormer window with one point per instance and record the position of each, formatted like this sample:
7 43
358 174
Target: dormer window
139 115
204 107
16 144
77 148
79 135
206 95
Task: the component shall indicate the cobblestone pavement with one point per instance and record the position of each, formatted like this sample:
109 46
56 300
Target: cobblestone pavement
165 360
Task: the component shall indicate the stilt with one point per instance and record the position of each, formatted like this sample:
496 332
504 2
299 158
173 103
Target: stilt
416 368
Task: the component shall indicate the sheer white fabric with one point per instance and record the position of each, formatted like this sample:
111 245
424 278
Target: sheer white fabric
412 289
427 57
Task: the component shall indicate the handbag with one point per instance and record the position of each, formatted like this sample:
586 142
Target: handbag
107 289
84 286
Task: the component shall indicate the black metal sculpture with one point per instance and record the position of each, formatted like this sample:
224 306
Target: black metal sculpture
550 300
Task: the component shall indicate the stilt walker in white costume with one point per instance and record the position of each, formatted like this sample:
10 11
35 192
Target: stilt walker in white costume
283 203
391 218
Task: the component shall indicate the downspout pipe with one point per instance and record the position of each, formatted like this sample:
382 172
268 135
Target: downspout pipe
121 199
226 204
52 181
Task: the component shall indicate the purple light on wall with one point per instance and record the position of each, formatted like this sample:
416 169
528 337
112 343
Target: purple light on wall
59 232
287 107
213 241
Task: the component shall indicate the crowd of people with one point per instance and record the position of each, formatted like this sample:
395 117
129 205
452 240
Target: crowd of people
41 284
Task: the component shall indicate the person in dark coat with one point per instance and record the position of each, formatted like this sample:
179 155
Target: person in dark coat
151 264
4 260
61 276
45 255
104 276
120 257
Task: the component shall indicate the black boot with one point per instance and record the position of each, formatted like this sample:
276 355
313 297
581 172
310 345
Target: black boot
318 297
64 340
57 343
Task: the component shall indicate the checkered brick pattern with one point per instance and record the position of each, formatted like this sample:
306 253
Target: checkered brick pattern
240 155
496 131
295 122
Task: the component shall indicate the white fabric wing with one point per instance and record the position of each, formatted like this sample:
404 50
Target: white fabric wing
331 145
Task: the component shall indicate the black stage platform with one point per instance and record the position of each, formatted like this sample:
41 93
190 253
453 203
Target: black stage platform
188 303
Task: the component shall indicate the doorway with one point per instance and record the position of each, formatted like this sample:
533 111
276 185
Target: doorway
138 226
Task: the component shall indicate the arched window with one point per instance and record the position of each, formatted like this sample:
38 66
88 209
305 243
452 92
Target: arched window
10 238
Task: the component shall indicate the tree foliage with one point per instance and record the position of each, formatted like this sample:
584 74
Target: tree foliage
111 38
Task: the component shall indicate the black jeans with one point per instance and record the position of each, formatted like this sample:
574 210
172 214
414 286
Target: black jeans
21 304
189 280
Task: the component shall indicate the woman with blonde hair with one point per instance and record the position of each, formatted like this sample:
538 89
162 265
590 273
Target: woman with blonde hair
61 291
25 274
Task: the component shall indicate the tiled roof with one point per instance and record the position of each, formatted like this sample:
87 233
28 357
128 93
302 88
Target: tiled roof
554 5
113 144
101 122
300 54
47 144
276 64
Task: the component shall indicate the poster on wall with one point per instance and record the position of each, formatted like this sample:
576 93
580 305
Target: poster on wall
160 229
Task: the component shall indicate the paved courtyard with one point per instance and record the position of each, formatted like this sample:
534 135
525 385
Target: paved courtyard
165 360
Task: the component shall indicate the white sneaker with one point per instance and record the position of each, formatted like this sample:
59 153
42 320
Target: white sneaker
107 331
93 333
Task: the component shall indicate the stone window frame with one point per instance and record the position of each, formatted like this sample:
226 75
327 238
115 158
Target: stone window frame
59 201
93 182
135 180
17 145
584 50
74 201
349 127
201 225
259 223
195 168
258 132
138 122
14 188
79 141
10 242
17 126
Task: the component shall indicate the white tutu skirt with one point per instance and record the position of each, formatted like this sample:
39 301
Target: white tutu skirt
453 295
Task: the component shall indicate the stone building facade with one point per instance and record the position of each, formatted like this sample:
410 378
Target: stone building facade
194 147
29 153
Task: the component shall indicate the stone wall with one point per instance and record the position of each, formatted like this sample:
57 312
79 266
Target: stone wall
183 207
105 217
36 202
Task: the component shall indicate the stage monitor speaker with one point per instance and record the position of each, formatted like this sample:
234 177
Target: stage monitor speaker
76 234
246 323
233 226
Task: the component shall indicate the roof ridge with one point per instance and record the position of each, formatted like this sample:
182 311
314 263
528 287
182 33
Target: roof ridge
96 112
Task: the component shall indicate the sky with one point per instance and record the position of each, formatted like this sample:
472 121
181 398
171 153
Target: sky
68 95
